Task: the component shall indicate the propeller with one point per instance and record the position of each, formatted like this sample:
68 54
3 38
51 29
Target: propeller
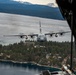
56 35
51 35
32 35
21 36
61 34
26 37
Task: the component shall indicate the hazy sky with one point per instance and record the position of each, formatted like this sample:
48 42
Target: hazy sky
15 24
38 1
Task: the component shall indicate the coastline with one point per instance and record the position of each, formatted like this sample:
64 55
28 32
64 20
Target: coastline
31 63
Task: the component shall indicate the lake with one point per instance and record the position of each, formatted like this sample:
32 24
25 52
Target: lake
9 68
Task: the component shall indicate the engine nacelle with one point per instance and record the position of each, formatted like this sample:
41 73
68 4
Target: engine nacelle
56 35
21 36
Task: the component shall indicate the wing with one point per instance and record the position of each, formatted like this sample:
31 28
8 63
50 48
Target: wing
56 33
18 35
51 34
62 32
33 35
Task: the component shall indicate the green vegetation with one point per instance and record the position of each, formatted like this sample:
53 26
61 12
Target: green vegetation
44 53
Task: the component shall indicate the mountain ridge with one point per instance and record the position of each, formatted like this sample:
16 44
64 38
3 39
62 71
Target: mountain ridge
43 11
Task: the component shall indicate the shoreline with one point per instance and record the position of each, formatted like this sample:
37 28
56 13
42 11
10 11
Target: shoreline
48 68
32 63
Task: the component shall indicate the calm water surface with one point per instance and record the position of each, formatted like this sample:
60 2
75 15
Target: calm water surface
6 69
9 68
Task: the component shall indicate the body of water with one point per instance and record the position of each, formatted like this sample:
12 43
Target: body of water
9 68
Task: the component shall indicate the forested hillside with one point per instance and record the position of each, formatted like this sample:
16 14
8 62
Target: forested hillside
44 53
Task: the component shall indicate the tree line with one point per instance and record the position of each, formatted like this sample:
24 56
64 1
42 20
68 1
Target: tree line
44 53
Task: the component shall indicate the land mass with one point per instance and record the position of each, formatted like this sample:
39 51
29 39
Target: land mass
43 11
45 53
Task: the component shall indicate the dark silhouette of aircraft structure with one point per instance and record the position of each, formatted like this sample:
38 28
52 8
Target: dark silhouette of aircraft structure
41 37
67 8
